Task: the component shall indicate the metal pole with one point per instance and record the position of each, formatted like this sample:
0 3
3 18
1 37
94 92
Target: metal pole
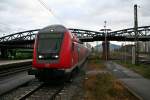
136 33
97 46
122 52
105 40
125 50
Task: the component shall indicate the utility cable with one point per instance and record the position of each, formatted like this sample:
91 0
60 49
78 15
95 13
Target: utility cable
49 10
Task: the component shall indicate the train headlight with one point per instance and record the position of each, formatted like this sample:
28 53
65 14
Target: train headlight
56 56
40 56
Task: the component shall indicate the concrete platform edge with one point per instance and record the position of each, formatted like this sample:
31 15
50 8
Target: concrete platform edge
131 91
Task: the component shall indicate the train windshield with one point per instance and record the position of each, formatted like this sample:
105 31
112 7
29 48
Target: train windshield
49 43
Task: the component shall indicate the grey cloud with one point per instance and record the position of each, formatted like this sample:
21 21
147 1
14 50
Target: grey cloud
86 14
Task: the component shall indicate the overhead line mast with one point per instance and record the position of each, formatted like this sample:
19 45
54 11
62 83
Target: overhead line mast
136 34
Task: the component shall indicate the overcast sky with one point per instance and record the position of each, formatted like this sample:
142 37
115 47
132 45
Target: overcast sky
20 15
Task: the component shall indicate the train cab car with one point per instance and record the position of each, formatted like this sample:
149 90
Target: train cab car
57 52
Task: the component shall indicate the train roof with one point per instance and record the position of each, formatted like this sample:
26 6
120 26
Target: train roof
54 28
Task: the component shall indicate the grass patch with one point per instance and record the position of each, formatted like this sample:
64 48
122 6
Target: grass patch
95 64
143 70
116 54
105 87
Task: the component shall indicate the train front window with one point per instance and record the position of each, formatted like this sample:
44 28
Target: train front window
49 43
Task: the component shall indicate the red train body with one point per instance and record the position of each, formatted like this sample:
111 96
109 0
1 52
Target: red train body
57 52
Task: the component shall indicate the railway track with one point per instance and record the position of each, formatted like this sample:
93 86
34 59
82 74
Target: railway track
35 90
13 70
29 91
40 91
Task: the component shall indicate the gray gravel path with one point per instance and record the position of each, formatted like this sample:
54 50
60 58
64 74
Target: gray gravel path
133 81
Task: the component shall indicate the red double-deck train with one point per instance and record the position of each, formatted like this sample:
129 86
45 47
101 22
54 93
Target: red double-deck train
57 52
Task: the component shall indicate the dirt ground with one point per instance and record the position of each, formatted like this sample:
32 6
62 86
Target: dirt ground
99 84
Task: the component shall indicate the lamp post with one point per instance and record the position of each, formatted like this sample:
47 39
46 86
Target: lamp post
105 31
